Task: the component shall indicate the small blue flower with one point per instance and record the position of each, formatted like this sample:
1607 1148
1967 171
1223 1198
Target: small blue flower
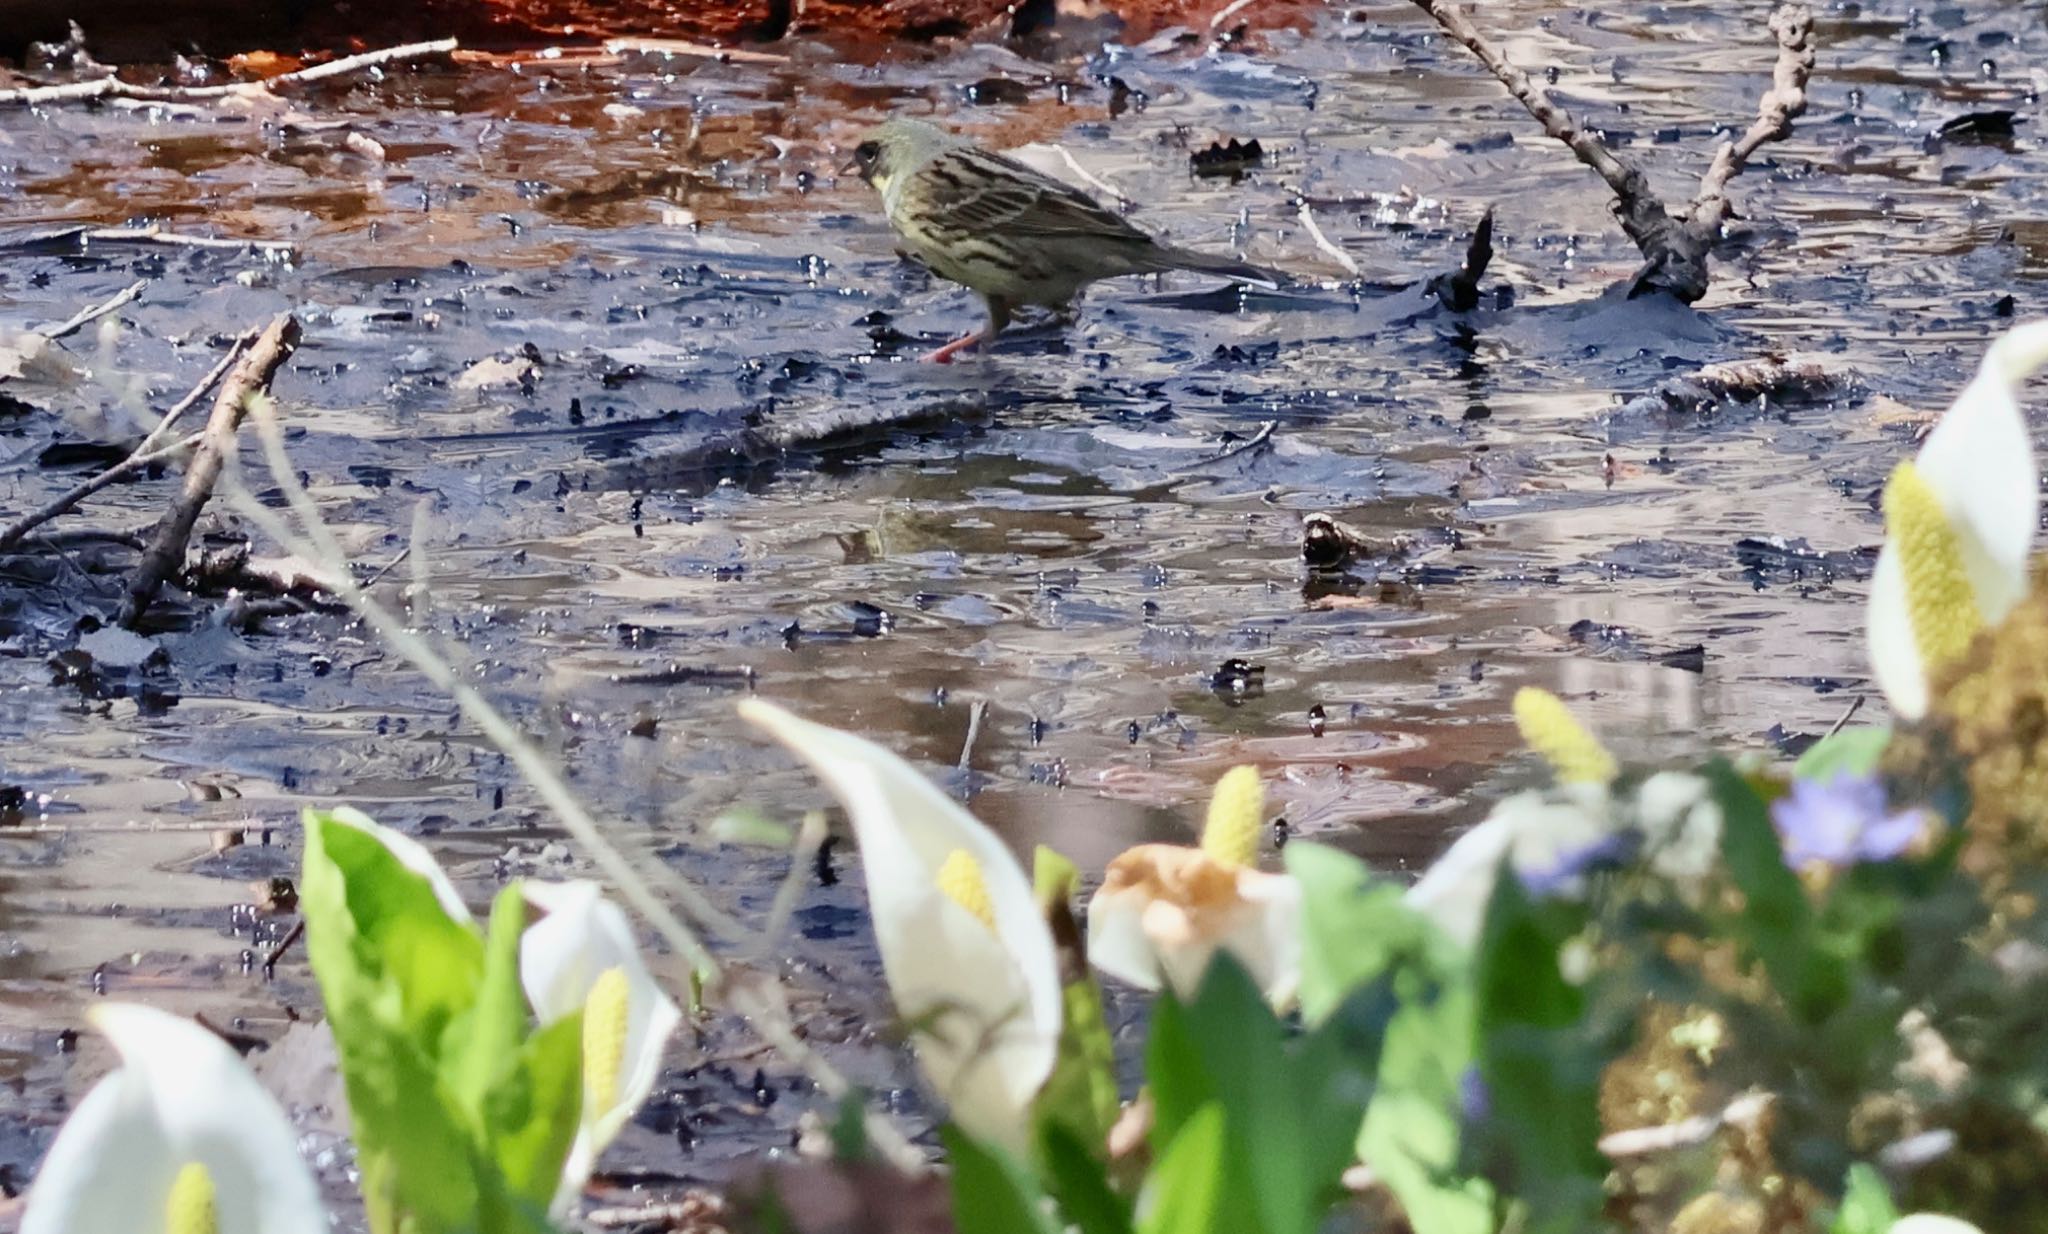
1563 878
1841 822
1475 1101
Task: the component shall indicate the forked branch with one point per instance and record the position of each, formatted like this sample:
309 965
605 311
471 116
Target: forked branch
1675 245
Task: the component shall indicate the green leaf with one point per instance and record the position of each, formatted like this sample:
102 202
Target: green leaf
1053 876
1189 1189
483 1042
1541 1070
991 1195
1358 928
1292 1107
1776 923
1081 1092
532 1113
419 1172
1848 751
1080 1183
850 1128
358 898
1866 1204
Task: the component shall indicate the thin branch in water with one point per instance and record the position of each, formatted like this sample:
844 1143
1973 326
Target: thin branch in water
250 377
80 238
113 87
141 460
975 714
1256 441
1323 242
1855 705
126 296
1093 181
283 945
1675 250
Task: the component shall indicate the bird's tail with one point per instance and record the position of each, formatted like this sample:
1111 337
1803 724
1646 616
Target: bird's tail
1228 267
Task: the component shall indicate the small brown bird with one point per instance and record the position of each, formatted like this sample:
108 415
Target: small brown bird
1017 236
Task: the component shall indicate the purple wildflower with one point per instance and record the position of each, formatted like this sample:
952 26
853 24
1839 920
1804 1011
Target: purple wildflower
1475 1101
1563 878
1842 822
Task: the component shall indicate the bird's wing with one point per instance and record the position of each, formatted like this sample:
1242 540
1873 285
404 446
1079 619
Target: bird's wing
985 191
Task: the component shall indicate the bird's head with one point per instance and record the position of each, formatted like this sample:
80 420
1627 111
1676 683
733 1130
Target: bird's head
894 147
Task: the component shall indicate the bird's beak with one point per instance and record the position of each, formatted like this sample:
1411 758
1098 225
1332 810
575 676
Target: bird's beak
850 166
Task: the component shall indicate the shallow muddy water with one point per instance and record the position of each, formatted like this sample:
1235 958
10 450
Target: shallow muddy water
662 249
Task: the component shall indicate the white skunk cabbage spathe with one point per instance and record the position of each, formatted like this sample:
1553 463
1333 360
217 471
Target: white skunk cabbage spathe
1959 527
582 957
968 954
179 1139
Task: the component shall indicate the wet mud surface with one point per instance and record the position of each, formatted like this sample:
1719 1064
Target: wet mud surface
562 275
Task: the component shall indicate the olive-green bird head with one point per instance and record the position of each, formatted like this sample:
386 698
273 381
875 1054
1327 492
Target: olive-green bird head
897 146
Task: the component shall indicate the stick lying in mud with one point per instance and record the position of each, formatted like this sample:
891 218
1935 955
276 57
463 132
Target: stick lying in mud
78 239
1674 246
114 87
85 317
250 376
144 456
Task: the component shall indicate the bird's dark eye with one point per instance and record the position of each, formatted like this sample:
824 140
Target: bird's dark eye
867 152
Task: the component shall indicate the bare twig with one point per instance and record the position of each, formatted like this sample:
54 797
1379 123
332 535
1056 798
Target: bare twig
1784 102
251 375
114 87
126 296
1256 441
699 1212
143 456
1743 1112
1229 11
1674 249
684 47
1315 233
975 715
141 460
82 237
284 944
1855 705
1090 178
206 384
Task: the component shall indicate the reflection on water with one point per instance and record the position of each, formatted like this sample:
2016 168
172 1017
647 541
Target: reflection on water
669 240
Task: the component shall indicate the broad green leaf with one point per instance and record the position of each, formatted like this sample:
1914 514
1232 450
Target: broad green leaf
531 1114
1866 1204
1292 1106
1850 751
1078 1180
1188 1192
1542 1075
483 1043
1357 928
991 1195
355 894
419 1172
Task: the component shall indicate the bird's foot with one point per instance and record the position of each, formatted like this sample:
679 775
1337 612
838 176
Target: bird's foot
944 355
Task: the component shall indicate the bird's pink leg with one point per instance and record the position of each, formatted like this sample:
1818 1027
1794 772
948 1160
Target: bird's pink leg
944 355
998 317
